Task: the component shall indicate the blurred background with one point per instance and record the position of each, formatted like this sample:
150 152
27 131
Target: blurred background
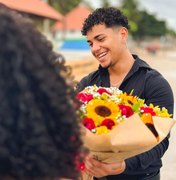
152 36
152 23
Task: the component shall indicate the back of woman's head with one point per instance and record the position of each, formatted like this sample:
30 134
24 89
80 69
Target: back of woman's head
39 131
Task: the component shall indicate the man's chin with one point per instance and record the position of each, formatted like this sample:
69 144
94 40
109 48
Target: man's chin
105 65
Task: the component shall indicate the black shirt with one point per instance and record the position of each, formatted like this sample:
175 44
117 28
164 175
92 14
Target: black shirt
147 84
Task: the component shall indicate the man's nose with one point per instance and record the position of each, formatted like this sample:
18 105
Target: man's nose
95 47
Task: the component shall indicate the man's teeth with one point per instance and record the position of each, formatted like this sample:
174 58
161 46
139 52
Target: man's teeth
102 54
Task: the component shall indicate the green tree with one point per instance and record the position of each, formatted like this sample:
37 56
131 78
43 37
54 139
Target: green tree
142 24
172 32
64 6
105 3
150 26
130 9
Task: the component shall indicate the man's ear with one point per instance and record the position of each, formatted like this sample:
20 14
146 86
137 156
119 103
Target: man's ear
124 33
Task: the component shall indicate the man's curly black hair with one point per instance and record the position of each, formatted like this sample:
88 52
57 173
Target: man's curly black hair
39 128
110 17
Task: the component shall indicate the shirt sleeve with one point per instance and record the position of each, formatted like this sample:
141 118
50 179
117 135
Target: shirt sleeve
142 163
158 92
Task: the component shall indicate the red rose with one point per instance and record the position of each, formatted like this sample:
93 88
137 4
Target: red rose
79 161
80 166
126 110
89 123
109 123
148 110
102 90
84 97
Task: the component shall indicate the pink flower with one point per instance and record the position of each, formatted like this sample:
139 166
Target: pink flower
109 123
81 166
126 110
102 90
79 161
89 123
84 97
148 110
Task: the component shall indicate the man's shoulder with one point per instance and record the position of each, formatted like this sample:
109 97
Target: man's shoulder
151 75
142 64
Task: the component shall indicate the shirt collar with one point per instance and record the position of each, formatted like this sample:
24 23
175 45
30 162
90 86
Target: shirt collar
138 63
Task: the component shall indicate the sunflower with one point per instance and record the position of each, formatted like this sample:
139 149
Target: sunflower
130 100
99 110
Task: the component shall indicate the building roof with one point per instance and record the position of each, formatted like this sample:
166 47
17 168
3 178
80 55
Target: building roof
36 7
74 19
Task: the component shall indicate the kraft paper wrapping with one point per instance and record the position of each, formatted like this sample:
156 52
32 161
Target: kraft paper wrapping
131 137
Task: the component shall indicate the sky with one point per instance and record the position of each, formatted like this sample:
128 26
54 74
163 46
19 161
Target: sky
163 9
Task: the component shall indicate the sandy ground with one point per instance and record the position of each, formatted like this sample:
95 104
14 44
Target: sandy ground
164 62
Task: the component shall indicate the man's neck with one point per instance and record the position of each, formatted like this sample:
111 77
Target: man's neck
122 66
119 71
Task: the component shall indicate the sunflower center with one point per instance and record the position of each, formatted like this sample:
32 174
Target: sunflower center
103 111
130 102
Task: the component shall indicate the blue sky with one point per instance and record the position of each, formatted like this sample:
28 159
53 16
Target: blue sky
163 9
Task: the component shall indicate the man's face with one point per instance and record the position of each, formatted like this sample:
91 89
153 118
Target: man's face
106 44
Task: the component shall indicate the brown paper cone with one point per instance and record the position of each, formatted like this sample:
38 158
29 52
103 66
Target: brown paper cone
86 176
130 135
129 138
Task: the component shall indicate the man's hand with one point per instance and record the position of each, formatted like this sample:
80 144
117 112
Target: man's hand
99 169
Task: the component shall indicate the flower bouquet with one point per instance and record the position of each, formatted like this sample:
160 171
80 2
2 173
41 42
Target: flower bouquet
120 125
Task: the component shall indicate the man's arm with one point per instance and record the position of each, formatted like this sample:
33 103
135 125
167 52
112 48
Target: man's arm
157 92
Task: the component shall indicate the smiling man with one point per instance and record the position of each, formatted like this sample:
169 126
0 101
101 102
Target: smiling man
106 30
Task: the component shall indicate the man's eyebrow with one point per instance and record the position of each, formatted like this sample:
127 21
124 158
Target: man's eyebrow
96 37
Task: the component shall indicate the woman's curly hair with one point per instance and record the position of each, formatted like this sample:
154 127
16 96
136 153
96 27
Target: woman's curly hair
39 128
109 16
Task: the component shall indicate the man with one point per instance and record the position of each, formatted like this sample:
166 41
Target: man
106 30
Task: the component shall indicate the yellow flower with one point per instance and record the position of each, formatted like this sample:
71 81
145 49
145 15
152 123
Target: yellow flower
147 118
99 110
163 113
102 130
130 100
